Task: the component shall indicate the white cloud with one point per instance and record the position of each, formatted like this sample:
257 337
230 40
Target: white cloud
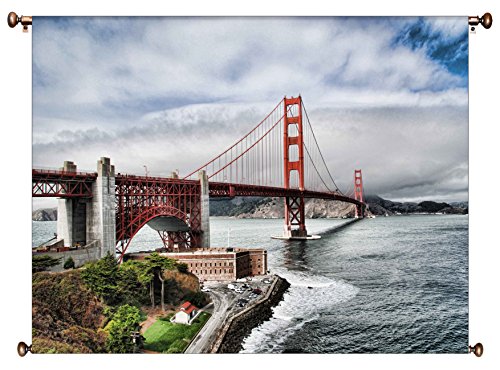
173 92
449 26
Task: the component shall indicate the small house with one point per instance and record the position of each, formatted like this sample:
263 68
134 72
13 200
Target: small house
186 313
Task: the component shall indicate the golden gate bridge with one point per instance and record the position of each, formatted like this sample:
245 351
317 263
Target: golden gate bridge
279 157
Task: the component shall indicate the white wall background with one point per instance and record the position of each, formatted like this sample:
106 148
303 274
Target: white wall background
15 147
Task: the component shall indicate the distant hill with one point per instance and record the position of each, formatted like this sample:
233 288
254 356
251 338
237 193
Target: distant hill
319 208
260 207
235 206
46 214
380 206
460 204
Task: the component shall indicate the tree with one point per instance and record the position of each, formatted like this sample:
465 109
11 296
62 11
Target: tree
197 298
124 323
101 277
182 267
133 283
43 263
156 264
69 264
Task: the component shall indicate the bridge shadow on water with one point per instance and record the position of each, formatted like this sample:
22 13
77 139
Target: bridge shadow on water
338 228
297 252
295 255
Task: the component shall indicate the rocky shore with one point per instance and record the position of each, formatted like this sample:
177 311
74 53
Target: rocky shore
239 326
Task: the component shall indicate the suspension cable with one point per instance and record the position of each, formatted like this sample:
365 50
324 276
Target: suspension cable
321 154
254 161
309 155
238 142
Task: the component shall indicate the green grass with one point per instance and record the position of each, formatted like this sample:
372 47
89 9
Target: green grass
166 337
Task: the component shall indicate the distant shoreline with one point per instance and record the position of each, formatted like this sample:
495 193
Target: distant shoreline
313 218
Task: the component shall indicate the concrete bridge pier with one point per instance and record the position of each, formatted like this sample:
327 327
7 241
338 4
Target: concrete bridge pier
81 221
204 209
101 220
71 216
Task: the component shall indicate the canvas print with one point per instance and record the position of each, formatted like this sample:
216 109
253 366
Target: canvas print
250 185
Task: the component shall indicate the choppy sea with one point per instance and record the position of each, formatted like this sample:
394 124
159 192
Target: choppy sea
384 285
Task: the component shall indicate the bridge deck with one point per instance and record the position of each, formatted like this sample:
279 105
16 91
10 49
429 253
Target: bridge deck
63 184
54 183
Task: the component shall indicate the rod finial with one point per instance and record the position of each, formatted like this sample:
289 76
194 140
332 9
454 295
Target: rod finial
12 19
477 349
486 20
23 349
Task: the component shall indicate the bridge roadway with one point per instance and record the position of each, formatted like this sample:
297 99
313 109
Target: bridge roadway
117 206
64 184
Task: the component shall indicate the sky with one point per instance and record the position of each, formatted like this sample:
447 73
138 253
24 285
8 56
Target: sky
387 95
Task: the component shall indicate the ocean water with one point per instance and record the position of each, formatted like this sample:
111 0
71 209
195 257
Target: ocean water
384 285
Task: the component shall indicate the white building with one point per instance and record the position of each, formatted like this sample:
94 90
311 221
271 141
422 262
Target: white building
187 312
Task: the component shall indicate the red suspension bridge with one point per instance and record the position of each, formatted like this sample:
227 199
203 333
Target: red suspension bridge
280 157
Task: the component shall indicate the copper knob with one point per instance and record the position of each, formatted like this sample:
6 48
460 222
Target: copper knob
23 349
12 19
477 349
487 20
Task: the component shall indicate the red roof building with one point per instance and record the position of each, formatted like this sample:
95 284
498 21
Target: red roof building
187 312
188 307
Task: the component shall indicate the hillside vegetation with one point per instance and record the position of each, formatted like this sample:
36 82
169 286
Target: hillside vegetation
95 309
66 315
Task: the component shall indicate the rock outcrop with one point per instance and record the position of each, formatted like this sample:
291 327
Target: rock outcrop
45 214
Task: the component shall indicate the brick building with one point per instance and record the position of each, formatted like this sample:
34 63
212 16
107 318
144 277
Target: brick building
219 264
222 264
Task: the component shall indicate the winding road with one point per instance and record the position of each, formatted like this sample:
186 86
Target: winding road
202 342
224 305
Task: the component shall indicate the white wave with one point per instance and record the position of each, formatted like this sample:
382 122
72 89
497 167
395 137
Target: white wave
300 305
285 318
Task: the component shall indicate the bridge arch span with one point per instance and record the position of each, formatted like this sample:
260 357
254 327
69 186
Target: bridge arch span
172 224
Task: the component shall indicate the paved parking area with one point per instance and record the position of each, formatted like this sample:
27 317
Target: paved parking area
243 293
227 302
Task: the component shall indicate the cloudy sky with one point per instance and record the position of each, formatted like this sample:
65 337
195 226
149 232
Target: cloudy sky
387 95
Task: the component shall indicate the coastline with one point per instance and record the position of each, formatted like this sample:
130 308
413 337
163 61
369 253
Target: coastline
237 327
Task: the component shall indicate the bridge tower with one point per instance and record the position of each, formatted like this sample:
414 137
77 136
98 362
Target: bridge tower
358 192
293 142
